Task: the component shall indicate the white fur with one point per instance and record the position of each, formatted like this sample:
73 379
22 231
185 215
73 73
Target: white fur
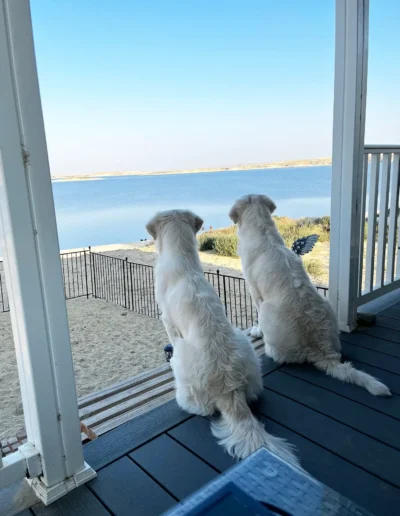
215 366
297 323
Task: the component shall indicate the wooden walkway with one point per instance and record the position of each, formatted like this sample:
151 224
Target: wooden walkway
346 438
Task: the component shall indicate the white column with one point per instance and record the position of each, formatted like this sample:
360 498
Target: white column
32 264
351 52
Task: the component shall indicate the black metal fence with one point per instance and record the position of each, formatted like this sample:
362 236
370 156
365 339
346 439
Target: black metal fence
131 285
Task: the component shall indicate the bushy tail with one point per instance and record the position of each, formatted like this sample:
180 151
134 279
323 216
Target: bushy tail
347 373
242 434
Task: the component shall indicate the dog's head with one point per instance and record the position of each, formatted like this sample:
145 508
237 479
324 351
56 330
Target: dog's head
264 203
183 218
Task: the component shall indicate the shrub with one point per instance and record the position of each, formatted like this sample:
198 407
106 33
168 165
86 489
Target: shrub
226 245
208 239
291 229
314 267
207 242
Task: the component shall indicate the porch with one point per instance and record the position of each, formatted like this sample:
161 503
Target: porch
346 438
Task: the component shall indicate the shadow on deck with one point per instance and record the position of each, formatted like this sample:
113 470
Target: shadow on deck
346 438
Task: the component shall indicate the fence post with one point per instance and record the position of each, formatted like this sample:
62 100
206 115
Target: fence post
92 272
124 273
86 275
219 284
226 306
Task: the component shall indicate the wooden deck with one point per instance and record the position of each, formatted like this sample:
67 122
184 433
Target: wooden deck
346 438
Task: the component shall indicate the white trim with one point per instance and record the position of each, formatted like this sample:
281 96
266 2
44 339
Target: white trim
351 53
20 463
31 259
379 149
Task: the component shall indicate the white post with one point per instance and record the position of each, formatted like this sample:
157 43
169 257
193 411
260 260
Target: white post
351 52
32 265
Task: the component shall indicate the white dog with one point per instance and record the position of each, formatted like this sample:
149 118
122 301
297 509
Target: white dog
214 364
297 323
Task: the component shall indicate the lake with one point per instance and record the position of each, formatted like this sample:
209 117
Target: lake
116 209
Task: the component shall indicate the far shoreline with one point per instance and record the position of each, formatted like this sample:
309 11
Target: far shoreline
321 162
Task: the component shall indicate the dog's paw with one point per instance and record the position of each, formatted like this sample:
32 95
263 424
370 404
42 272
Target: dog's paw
256 332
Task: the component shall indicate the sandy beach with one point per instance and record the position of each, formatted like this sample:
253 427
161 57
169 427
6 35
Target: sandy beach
109 343
312 162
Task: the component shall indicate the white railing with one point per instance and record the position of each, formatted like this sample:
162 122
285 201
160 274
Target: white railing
378 198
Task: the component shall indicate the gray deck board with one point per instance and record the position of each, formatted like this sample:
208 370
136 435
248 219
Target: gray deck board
370 357
387 322
126 489
195 434
373 342
390 407
363 451
366 420
80 502
122 440
169 463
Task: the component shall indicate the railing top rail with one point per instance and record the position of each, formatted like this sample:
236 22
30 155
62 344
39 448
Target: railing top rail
68 253
221 274
378 149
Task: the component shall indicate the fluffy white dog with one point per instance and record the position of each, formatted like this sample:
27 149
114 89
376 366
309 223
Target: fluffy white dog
297 323
214 364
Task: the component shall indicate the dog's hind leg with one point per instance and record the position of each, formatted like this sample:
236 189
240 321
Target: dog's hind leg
281 341
172 332
189 402
257 300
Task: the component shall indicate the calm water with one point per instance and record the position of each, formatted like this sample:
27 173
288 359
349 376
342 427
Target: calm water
115 210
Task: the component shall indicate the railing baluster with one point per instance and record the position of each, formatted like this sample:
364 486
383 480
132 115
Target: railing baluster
382 224
393 216
372 207
363 202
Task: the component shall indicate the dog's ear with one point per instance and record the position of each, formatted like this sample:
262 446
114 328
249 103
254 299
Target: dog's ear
238 209
269 203
152 226
234 214
197 223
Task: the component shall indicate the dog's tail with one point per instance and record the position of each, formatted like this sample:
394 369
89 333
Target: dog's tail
242 434
347 373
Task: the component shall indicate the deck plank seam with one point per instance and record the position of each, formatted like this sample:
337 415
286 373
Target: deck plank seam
333 418
103 504
374 350
193 453
153 478
342 395
379 324
126 453
384 480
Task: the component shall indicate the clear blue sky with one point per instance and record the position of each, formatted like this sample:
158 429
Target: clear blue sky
167 84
